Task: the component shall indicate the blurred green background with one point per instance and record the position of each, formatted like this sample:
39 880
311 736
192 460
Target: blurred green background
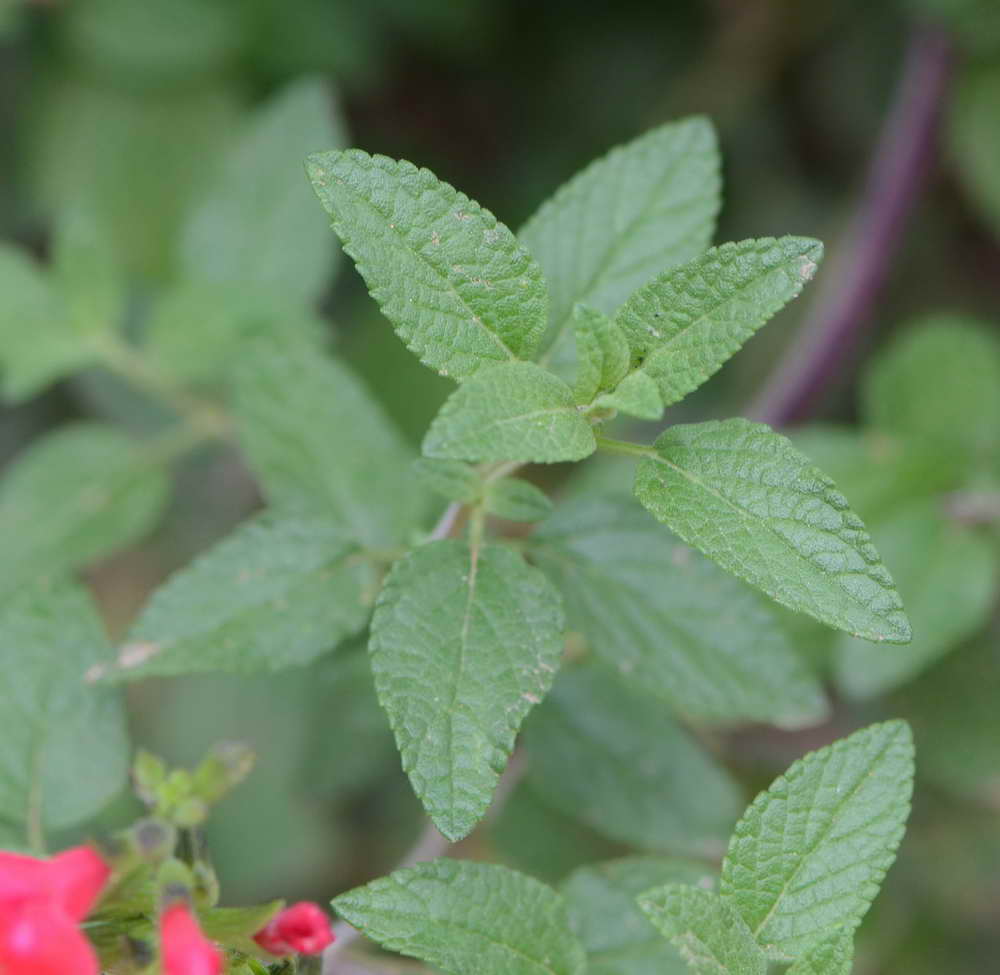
129 109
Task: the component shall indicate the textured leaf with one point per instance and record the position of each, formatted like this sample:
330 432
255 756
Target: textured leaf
257 226
960 361
317 439
618 938
744 496
607 754
460 290
64 751
462 648
947 574
279 591
517 411
517 500
973 135
467 919
831 957
645 206
809 855
706 930
669 619
451 479
603 354
687 322
74 496
637 395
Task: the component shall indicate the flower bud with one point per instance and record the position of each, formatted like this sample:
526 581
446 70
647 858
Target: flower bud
184 950
302 929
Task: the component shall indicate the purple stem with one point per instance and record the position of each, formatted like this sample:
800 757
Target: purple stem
898 172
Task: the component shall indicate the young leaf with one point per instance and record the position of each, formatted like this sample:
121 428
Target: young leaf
516 500
683 325
608 755
463 645
451 479
809 855
317 439
460 290
602 352
670 620
637 395
744 496
644 207
947 574
831 957
467 919
517 411
74 496
257 227
65 750
705 929
616 935
277 592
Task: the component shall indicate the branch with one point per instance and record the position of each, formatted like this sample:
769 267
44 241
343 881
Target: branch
904 156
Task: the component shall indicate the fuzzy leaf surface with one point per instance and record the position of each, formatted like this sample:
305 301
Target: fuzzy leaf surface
637 395
685 324
517 500
517 411
460 290
835 956
467 918
462 648
809 855
671 621
602 352
744 496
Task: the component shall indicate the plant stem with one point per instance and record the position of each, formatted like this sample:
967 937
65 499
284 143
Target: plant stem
623 447
898 173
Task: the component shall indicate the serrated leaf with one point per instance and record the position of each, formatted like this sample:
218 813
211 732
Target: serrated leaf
74 496
517 500
467 919
831 957
602 353
318 440
460 290
809 855
705 929
278 592
451 479
64 751
670 620
518 411
257 226
618 938
463 645
744 496
685 324
645 206
609 755
637 395
947 574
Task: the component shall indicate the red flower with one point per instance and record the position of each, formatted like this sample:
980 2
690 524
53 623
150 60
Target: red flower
302 929
41 904
184 949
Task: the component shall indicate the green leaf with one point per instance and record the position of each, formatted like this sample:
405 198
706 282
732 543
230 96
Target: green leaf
451 479
973 136
65 749
683 325
744 496
463 645
637 395
960 361
257 226
517 500
518 411
460 290
947 574
808 857
467 919
645 206
831 957
73 497
705 929
602 352
609 755
616 935
236 926
317 439
670 620
279 591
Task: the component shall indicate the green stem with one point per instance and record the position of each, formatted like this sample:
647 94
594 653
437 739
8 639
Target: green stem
623 447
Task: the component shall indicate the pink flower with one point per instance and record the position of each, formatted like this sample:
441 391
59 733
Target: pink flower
184 950
41 905
302 929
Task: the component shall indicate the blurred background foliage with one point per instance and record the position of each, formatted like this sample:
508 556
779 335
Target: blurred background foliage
150 161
